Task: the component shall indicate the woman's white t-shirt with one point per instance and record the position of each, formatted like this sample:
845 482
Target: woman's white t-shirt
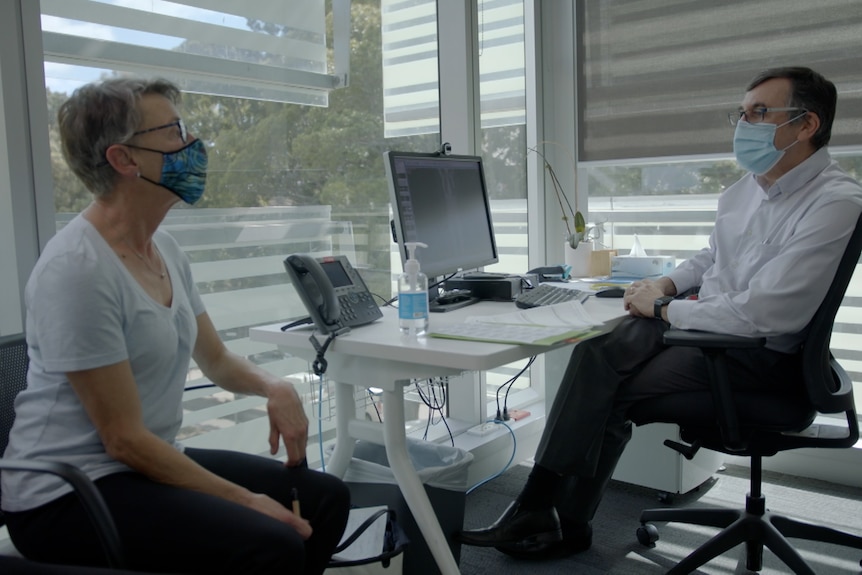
85 310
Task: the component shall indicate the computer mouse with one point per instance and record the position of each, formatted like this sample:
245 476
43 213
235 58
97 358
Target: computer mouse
616 291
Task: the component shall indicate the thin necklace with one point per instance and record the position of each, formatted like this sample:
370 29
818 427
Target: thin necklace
141 257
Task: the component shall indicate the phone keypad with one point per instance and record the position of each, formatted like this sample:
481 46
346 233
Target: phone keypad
357 308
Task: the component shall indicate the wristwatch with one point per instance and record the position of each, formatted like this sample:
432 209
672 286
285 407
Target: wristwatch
660 303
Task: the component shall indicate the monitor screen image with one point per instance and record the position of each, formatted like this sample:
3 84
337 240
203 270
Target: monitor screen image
441 201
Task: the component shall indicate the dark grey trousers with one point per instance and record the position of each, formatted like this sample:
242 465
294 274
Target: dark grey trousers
588 427
168 529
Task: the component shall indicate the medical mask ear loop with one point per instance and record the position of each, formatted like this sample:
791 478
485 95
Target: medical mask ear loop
788 147
796 141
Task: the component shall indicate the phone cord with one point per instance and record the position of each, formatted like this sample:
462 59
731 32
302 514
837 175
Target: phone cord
319 364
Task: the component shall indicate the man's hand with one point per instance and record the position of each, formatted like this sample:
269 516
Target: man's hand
287 420
640 297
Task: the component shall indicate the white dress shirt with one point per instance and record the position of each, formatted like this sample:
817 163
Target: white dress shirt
772 254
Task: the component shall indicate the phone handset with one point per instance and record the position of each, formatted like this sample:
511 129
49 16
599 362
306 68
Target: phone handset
317 290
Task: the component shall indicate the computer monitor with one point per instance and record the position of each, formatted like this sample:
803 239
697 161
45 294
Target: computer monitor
442 201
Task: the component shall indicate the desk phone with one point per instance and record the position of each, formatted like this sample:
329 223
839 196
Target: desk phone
332 291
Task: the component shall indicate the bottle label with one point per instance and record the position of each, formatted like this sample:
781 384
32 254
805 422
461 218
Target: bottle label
412 305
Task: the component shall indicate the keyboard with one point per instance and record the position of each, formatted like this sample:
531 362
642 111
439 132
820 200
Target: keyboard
546 294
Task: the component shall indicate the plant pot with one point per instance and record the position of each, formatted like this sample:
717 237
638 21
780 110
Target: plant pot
579 258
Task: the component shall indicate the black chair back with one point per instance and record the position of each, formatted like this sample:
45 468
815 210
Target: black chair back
13 378
14 363
829 388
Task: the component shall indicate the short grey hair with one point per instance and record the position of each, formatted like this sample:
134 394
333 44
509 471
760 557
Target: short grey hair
99 115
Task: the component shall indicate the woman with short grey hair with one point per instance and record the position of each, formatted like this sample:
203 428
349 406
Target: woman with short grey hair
113 321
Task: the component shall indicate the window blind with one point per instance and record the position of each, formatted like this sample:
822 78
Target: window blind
266 49
658 77
410 81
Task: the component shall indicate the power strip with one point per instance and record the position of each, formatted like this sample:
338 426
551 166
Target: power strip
483 428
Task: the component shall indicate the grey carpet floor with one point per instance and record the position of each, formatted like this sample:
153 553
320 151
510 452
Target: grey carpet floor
615 547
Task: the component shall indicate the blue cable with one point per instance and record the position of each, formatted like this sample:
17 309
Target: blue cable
508 463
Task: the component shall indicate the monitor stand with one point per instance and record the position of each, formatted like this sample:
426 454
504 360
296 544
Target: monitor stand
436 307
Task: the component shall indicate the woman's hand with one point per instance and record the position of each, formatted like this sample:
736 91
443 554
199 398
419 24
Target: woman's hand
269 506
287 420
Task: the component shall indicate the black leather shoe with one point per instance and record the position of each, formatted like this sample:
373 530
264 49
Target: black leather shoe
574 541
517 527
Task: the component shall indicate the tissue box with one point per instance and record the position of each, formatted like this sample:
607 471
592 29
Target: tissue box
642 266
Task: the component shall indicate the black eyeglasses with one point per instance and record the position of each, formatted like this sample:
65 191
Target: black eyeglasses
179 124
756 115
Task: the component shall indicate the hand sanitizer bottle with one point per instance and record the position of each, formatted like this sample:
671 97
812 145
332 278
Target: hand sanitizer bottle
412 295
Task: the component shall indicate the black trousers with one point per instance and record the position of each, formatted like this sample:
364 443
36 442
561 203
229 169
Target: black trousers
170 529
588 427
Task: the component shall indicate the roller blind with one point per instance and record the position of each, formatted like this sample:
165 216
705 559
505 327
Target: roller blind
410 97
658 77
263 49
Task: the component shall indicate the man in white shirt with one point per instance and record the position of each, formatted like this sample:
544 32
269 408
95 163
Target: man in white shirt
779 232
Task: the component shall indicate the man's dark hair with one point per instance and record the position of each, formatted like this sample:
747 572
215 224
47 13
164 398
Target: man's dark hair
810 91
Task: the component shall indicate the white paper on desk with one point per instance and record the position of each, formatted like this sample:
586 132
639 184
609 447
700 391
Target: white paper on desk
565 314
370 543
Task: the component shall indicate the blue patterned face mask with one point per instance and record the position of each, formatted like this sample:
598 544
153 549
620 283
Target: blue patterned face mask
754 145
184 172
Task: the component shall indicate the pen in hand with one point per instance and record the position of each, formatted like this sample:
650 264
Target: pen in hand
294 495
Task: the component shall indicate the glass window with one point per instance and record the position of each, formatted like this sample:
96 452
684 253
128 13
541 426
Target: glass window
502 95
283 178
658 79
411 94
269 49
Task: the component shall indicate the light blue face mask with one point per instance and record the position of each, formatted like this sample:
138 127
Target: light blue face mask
754 145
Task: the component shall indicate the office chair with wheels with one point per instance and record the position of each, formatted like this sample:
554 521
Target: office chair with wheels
13 378
757 425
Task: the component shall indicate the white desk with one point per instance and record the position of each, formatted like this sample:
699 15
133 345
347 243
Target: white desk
376 353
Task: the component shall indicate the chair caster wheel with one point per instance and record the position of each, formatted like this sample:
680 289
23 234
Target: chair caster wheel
647 534
665 497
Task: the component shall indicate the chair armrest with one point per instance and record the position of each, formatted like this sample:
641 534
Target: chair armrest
90 497
708 339
714 346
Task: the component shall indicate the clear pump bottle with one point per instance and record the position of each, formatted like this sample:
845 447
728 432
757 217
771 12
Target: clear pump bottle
412 295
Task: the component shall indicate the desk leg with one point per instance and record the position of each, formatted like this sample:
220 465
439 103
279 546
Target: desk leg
412 489
344 444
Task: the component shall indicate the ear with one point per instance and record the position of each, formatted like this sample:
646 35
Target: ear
121 160
810 125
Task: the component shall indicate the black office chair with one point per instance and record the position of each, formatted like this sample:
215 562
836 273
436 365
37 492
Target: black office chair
13 378
758 424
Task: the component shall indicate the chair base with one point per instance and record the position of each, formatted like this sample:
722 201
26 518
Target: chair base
753 526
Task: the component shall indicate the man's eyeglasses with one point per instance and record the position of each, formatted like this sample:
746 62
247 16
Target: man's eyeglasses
181 126
756 115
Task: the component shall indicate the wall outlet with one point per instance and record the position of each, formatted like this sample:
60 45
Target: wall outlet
483 428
